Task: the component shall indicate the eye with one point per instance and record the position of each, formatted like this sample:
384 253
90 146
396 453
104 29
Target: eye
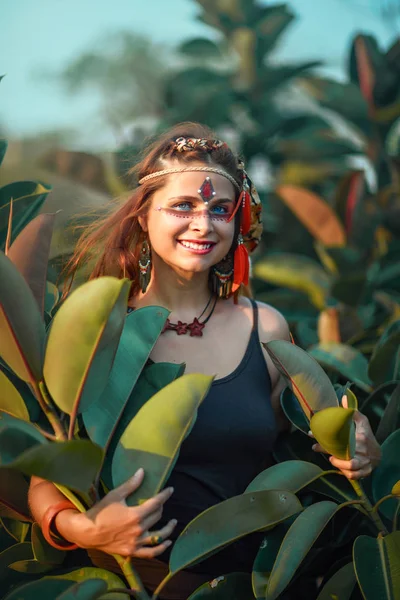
183 206
220 209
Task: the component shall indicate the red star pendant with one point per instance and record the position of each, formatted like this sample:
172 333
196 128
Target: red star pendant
196 328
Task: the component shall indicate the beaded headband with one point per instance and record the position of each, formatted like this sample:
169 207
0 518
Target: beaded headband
252 236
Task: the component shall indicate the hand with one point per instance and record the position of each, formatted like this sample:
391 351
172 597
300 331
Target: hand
367 453
116 528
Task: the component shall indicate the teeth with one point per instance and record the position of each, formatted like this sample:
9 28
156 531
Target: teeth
196 246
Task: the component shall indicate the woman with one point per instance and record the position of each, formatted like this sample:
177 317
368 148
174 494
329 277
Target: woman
182 238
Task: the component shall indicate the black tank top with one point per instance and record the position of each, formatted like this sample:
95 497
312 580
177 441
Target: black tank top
230 443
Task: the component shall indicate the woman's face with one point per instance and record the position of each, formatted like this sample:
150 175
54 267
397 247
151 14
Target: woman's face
187 232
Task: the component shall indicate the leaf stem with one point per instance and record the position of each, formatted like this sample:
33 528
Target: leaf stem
383 499
162 585
131 576
47 407
374 516
396 517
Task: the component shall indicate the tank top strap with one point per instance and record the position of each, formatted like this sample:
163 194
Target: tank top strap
255 316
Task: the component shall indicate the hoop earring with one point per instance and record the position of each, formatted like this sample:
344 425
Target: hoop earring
144 266
222 277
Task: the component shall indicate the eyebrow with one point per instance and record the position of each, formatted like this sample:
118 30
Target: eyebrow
197 199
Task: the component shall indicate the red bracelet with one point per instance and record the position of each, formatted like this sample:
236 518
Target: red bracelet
48 520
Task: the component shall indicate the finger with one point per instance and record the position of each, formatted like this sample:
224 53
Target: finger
127 488
147 552
163 534
155 503
318 448
310 433
355 464
365 472
345 402
148 522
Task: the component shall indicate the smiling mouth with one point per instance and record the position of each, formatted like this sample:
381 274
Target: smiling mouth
196 245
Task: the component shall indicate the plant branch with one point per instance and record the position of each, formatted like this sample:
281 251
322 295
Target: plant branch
374 516
161 586
131 576
47 407
388 497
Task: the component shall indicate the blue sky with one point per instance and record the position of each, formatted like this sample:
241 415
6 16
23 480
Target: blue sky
44 35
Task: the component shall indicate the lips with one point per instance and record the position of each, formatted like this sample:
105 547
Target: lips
203 247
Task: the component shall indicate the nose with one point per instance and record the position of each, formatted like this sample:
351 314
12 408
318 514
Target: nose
202 223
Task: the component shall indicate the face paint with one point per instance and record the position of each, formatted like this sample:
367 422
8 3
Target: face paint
206 190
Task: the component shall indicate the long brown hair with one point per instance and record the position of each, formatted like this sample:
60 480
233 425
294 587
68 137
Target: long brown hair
116 238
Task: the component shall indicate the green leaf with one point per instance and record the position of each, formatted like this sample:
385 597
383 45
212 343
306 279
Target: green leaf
381 364
296 272
386 474
30 567
3 149
14 495
74 464
291 475
82 342
299 539
306 378
22 332
87 573
345 360
352 401
293 411
200 48
152 379
153 438
51 297
141 331
11 400
235 586
219 526
375 404
396 488
86 590
28 197
340 586
265 559
391 417
16 437
334 430
16 529
42 551
30 254
377 566
12 554
39 589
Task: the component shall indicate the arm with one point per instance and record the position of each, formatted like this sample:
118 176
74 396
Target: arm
110 525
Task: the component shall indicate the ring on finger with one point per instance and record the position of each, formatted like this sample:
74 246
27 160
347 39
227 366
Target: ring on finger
155 540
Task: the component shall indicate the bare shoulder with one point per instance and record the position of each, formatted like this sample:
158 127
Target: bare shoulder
272 324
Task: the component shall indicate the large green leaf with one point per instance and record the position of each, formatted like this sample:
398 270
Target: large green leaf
293 412
86 590
375 404
340 586
141 330
345 360
30 254
299 539
17 436
39 589
391 417
377 566
334 430
152 379
305 377
235 586
14 495
16 529
219 526
296 272
86 573
12 554
291 475
386 474
28 197
10 399
265 559
74 463
383 360
42 551
83 341
153 438
22 332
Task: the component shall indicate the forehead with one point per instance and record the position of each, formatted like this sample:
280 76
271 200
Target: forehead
189 182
